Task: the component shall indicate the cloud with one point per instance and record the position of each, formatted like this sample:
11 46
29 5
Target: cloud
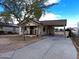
49 16
72 23
51 1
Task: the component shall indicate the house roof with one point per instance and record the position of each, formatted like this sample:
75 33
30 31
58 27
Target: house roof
61 22
55 22
25 21
7 25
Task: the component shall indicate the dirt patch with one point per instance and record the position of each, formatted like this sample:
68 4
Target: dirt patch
15 42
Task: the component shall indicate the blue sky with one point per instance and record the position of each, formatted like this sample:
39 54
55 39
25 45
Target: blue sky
65 9
1 9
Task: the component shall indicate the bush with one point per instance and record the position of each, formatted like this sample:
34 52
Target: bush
2 32
5 32
10 32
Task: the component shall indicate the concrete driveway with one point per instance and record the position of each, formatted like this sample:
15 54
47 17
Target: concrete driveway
49 48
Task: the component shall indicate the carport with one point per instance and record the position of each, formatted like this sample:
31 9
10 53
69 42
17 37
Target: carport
51 24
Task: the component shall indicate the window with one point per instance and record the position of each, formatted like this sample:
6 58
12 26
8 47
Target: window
25 28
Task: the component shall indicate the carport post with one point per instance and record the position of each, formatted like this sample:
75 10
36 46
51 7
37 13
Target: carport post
64 31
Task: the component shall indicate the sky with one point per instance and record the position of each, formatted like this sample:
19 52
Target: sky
65 9
1 9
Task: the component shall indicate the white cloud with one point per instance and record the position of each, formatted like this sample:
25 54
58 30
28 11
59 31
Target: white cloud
49 16
51 1
71 23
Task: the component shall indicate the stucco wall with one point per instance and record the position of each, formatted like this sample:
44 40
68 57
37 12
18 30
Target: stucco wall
10 29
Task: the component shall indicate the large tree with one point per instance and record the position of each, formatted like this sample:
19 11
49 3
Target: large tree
24 9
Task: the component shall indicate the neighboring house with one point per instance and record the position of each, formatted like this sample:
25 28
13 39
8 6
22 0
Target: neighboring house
32 27
8 28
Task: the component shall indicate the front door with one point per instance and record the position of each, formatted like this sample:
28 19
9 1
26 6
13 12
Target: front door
31 30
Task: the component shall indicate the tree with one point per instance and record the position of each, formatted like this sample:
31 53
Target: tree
24 9
6 18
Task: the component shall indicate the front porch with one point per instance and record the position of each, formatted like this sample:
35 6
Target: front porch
30 30
39 30
42 31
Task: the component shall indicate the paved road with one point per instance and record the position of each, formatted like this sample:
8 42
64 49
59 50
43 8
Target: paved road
49 48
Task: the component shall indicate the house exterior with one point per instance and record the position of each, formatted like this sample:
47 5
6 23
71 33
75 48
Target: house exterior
32 27
8 28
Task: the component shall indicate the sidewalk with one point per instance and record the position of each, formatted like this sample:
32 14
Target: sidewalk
7 55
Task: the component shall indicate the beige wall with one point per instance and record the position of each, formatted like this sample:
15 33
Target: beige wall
40 31
47 30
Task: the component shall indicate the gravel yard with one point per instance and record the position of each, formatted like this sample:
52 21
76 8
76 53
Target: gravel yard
13 42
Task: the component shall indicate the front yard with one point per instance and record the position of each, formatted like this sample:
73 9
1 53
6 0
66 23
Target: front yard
13 42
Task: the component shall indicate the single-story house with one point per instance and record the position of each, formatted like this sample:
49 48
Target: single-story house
32 27
8 28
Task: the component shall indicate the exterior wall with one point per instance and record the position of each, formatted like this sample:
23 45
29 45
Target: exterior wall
20 30
17 30
28 30
40 30
52 31
47 31
10 29
44 29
